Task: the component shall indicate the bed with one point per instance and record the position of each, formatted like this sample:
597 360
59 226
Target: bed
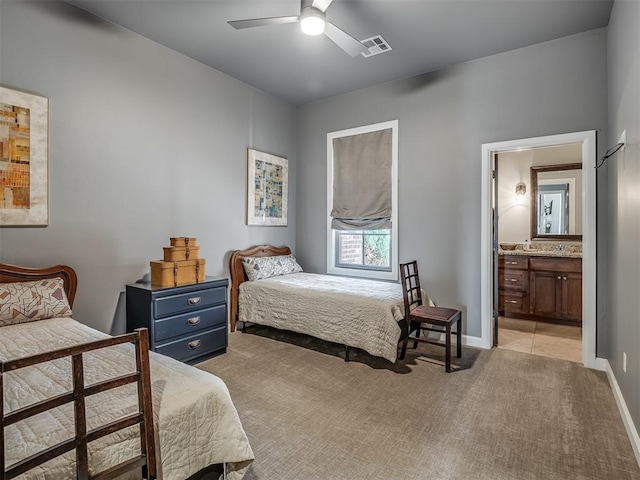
366 314
196 424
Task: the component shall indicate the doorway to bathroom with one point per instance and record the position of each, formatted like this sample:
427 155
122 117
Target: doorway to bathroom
541 292
538 270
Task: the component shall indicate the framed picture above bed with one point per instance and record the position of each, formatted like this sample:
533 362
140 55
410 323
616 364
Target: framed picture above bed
267 189
24 190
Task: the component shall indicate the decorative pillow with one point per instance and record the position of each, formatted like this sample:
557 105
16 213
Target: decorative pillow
23 302
257 268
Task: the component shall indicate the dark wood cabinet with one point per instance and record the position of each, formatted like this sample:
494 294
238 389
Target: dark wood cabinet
556 288
513 282
551 289
188 323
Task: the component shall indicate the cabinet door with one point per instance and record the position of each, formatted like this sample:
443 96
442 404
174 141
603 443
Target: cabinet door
544 294
572 296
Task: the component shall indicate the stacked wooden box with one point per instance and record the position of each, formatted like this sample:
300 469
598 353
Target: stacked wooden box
181 264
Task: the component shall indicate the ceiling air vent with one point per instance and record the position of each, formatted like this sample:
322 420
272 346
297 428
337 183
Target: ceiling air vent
376 46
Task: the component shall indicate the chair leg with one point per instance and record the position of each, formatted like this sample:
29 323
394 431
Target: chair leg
403 351
415 342
459 338
447 355
346 353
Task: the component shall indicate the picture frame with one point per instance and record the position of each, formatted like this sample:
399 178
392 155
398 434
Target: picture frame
24 159
267 189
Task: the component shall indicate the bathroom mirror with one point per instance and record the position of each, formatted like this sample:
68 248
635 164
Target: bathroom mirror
556 202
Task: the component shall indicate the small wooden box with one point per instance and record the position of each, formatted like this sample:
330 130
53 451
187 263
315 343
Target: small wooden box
183 241
179 254
172 274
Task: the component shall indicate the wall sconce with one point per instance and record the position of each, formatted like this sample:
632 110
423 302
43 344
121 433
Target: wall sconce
521 189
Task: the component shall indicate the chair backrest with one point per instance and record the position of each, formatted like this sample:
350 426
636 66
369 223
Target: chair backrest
410 286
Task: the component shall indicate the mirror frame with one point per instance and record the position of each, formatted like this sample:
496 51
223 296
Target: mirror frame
534 200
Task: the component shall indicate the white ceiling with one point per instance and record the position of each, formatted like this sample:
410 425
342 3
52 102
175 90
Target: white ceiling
425 35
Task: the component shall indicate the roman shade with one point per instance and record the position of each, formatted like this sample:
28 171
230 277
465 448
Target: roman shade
362 181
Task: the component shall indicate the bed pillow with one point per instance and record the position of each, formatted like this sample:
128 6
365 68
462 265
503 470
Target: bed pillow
258 268
23 302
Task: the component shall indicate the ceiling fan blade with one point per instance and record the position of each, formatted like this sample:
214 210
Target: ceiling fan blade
321 5
259 22
345 41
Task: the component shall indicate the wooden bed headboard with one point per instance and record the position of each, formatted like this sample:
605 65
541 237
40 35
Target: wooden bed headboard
13 273
238 275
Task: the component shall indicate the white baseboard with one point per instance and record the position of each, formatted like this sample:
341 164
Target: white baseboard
601 364
467 340
624 411
470 341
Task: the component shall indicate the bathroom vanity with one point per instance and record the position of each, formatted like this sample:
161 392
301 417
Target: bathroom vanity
544 286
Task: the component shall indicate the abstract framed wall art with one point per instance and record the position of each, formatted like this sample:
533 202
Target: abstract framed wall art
267 188
24 176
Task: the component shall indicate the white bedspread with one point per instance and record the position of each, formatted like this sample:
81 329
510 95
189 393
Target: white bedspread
355 312
196 423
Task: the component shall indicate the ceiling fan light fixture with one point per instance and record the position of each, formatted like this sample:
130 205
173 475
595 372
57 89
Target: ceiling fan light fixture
312 21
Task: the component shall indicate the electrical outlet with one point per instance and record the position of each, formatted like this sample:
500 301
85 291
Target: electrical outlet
624 362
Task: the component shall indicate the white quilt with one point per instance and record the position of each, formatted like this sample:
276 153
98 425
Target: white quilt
196 423
351 311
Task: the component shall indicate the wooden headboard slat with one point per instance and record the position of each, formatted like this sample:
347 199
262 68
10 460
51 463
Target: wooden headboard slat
13 273
238 275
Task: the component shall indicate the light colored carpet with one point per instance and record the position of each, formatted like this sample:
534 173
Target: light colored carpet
500 415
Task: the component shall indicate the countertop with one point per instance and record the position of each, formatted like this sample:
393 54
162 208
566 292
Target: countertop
541 253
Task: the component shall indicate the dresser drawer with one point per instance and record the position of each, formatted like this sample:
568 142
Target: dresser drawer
195 345
184 302
513 279
514 302
554 264
190 322
514 262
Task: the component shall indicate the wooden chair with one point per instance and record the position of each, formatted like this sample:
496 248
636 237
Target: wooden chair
423 317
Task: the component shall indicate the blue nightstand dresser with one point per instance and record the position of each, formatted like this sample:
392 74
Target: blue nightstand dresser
188 323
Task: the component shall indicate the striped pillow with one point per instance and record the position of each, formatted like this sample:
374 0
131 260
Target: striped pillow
23 302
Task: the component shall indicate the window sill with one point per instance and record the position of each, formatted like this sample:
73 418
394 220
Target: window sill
363 273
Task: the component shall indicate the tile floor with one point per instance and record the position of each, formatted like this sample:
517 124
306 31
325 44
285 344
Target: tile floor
540 338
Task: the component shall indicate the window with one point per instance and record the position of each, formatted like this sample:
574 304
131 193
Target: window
362 206
370 249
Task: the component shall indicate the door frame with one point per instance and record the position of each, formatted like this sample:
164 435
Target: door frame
588 141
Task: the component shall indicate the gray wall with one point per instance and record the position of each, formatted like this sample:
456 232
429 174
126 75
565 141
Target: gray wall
623 186
444 117
145 144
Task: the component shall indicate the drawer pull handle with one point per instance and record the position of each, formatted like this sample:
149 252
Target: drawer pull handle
193 345
512 301
194 300
558 278
193 320
514 279
513 263
564 278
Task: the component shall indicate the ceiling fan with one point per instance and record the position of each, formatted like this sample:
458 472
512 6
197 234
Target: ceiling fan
313 22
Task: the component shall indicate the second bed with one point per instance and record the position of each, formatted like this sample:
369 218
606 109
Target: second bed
355 312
